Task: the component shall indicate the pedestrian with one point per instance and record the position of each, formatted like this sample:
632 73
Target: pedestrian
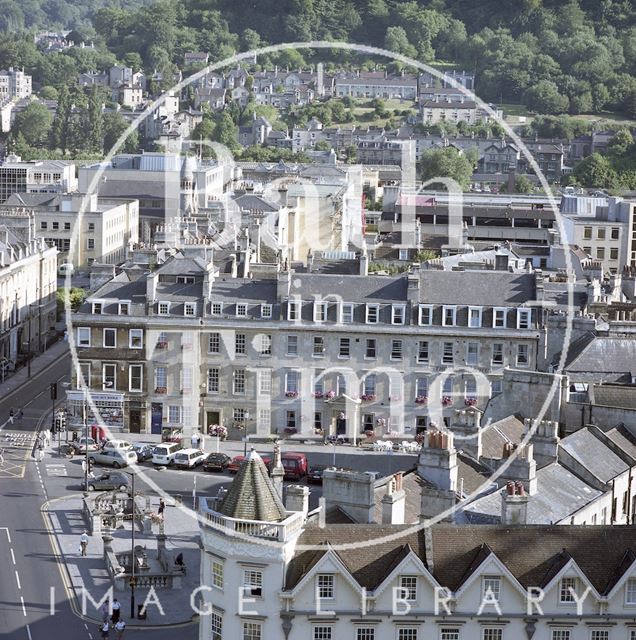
162 506
120 628
40 453
116 611
194 440
11 416
104 628
20 414
83 543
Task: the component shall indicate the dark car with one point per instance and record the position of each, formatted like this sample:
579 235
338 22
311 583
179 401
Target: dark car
314 476
143 450
216 462
109 482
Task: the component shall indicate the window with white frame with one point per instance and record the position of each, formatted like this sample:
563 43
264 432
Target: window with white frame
344 349
567 590
630 591
84 373
161 377
341 384
492 633
293 309
266 311
190 309
449 314
448 354
241 310
135 377
216 308
319 346
425 315
325 586
217 573
291 381
372 313
320 311
292 345
403 254
97 308
124 308
497 353
522 355
265 344
264 418
407 633
322 633
264 382
136 338
252 631
499 317
472 353
253 583
110 339
213 380
396 349
371 348
214 343
291 420
83 336
109 376
346 312
449 633
238 381
319 383
216 626
491 588
421 387
369 384
240 344
239 415
523 318
163 308
448 385
365 633
600 634
398 314
408 588
422 351
560 634
474 317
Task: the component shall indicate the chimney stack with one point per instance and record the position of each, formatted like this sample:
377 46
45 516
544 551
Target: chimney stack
394 501
467 426
523 468
297 498
514 504
438 460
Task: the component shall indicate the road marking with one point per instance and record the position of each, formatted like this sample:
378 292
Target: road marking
23 607
8 534
56 470
12 556
17 578
29 632
86 626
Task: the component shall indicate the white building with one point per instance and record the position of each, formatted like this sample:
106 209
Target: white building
38 176
14 84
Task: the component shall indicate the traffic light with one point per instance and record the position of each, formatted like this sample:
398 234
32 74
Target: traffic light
53 390
60 422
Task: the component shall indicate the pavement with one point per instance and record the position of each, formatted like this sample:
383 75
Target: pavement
88 575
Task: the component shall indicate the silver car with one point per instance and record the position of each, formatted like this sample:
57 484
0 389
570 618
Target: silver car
116 458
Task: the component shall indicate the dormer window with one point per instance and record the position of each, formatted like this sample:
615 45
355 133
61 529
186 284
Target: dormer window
373 313
320 311
163 308
190 309
97 308
425 315
293 310
448 316
408 588
124 308
567 590
499 320
523 318
398 314
266 311
491 588
474 317
346 312
630 591
241 310
185 279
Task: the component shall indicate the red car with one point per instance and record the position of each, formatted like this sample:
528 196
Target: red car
233 467
295 465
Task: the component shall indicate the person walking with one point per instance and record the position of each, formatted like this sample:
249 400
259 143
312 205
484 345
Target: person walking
105 629
116 611
83 543
20 414
120 627
162 506
11 414
105 610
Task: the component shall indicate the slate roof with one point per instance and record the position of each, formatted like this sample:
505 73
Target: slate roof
560 493
603 553
595 456
614 396
250 202
623 439
495 435
605 354
252 495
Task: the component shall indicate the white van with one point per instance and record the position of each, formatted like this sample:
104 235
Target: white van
189 458
165 452
121 445
65 269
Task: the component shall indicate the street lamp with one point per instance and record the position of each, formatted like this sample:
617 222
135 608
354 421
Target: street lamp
132 550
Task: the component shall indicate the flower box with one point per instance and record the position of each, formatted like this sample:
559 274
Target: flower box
367 397
291 394
369 433
218 430
161 390
381 422
447 400
470 402
162 344
330 394
421 400
318 395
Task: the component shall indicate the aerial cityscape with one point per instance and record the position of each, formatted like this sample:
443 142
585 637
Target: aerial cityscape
318 320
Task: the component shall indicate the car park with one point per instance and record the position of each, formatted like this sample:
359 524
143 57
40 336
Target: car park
113 457
109 482
189 458
143 450
216 462
164 453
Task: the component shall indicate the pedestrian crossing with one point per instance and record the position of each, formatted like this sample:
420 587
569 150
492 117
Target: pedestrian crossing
16 448
57 470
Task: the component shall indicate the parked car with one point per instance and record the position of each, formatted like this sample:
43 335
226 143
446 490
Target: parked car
65 269
171 435
216 462
165 452
109 482
295 465
143 450
113 457
122 445
85 443
315 473
189 458
234 465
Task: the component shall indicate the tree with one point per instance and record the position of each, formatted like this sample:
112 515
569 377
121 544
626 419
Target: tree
75 296
58 138
523 184
596 171
48 93
114 126
94 122
226 132
34 123
446 163
397 40
544 97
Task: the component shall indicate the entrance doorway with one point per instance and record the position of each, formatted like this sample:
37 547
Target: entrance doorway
135 420
211 417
